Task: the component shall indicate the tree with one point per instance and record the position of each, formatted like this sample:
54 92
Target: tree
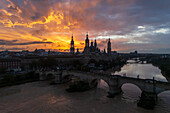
2 70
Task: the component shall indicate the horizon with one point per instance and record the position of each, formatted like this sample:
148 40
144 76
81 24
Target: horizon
49 24
46 50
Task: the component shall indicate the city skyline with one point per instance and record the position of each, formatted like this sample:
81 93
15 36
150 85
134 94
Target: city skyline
48 24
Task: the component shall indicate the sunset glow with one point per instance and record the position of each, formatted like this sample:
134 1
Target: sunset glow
49 24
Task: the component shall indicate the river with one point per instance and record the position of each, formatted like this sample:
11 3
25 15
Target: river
40 97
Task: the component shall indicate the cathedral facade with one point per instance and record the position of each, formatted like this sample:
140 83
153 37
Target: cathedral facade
91 48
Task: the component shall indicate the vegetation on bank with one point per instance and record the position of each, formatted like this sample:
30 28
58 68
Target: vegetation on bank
15 79
78 86
163 64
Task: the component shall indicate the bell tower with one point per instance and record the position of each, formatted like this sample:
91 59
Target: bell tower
72 45
95 44
87 41
109 47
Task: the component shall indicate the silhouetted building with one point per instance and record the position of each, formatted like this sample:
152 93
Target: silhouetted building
78 51
86 41
92 43
109 47
39 50
104 51
72 46
92 49
10 64
95 44
134 53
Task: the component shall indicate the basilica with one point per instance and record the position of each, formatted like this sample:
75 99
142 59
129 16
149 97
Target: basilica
89 49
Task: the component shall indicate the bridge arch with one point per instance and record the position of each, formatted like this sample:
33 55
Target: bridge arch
164 92
104 84
94 82
131 84
131 90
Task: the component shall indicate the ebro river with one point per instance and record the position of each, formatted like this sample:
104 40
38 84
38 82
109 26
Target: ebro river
40 97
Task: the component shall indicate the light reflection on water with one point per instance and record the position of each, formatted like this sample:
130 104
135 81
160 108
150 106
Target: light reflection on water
131 92
145 71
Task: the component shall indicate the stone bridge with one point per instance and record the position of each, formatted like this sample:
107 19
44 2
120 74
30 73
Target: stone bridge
59 76
115 82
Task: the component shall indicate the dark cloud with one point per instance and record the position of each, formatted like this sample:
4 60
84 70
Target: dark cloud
13 48
14 42
104 18
36 16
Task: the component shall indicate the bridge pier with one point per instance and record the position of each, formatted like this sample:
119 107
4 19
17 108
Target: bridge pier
58 77
42 76
113 90
147 100
114 86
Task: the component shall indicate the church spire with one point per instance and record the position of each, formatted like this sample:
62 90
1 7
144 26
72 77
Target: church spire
104 51
91 43
87 41
109 47
95 44
72 38
72 45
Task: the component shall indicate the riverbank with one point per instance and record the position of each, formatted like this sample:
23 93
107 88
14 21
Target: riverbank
18 82
164 65
16 79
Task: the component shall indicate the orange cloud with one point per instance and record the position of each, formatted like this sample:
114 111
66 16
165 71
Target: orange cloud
36 20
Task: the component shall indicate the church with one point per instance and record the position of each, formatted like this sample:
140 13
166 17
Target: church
88 49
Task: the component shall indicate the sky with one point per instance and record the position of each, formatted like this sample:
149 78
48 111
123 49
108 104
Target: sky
142 25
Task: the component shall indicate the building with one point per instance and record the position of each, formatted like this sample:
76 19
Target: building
72 46
91 49
77 51
87 41
10 64
95 44
134 53
109 47
40 52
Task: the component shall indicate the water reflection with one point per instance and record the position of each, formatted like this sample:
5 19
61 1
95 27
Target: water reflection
103 85
130 92
144 71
